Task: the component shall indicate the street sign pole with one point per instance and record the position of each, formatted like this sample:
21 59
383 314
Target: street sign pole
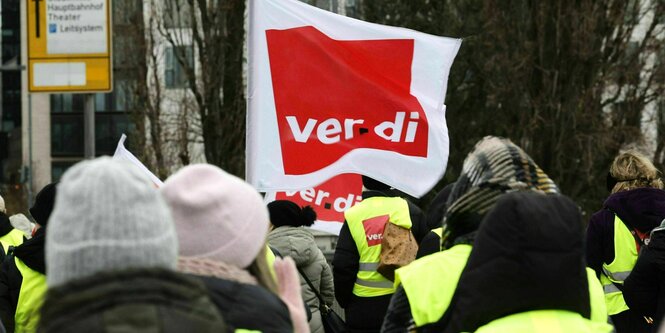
89 126
30 184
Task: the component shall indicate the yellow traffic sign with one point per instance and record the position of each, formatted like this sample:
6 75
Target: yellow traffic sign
69 46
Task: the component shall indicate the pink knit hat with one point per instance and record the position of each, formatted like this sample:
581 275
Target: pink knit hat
217 215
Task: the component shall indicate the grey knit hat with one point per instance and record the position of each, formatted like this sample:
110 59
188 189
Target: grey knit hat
107 216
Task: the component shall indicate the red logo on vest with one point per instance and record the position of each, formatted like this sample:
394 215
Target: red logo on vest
333 96
374 229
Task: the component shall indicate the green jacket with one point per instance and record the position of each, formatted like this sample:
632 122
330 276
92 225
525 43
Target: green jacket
145 300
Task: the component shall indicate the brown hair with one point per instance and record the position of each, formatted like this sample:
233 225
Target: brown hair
260 269
633 170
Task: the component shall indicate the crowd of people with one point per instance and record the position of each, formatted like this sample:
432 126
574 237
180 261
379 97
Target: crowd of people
499 250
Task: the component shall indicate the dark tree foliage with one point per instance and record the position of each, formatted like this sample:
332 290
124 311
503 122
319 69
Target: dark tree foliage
568 81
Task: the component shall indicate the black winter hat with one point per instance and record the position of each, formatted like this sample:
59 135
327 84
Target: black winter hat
43 206
372 184
288 213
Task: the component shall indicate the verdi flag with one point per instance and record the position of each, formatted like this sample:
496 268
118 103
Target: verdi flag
329 200
330 95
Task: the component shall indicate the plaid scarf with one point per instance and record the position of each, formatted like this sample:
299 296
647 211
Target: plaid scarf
494 167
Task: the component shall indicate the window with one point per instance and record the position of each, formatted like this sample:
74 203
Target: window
11 101
111 121
108 129
58 168
118 101
67 103
176 14
174 73
67 134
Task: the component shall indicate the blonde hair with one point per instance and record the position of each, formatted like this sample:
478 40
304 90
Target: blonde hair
633 170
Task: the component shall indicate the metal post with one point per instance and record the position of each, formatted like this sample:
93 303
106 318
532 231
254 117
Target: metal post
89 126
30 184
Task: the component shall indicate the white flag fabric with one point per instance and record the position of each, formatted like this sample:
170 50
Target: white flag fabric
329 95
122 154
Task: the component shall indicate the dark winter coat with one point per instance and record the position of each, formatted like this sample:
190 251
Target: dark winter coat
430 244
437 208
247 306
528 255
5 224
138 300
644 289
642 209
364 313
31 252
299 244
398 317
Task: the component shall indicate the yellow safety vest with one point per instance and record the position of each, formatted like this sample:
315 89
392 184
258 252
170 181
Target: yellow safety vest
439 272
12 238
366 222
625 257
30 298
270 260
596 297
438 231
545 321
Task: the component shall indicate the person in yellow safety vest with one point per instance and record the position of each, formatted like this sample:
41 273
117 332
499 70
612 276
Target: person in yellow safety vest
8 235
616 233
22 223
431 243
359 288
528 259
22 276
494 167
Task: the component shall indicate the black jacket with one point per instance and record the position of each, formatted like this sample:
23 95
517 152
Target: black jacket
438 206
430 244
5 224
31 252
138 300
398 317
364 312
247 306
644 289
528 255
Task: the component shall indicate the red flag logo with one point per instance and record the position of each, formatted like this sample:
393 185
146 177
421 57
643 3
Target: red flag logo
332 97
374 229
329 199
